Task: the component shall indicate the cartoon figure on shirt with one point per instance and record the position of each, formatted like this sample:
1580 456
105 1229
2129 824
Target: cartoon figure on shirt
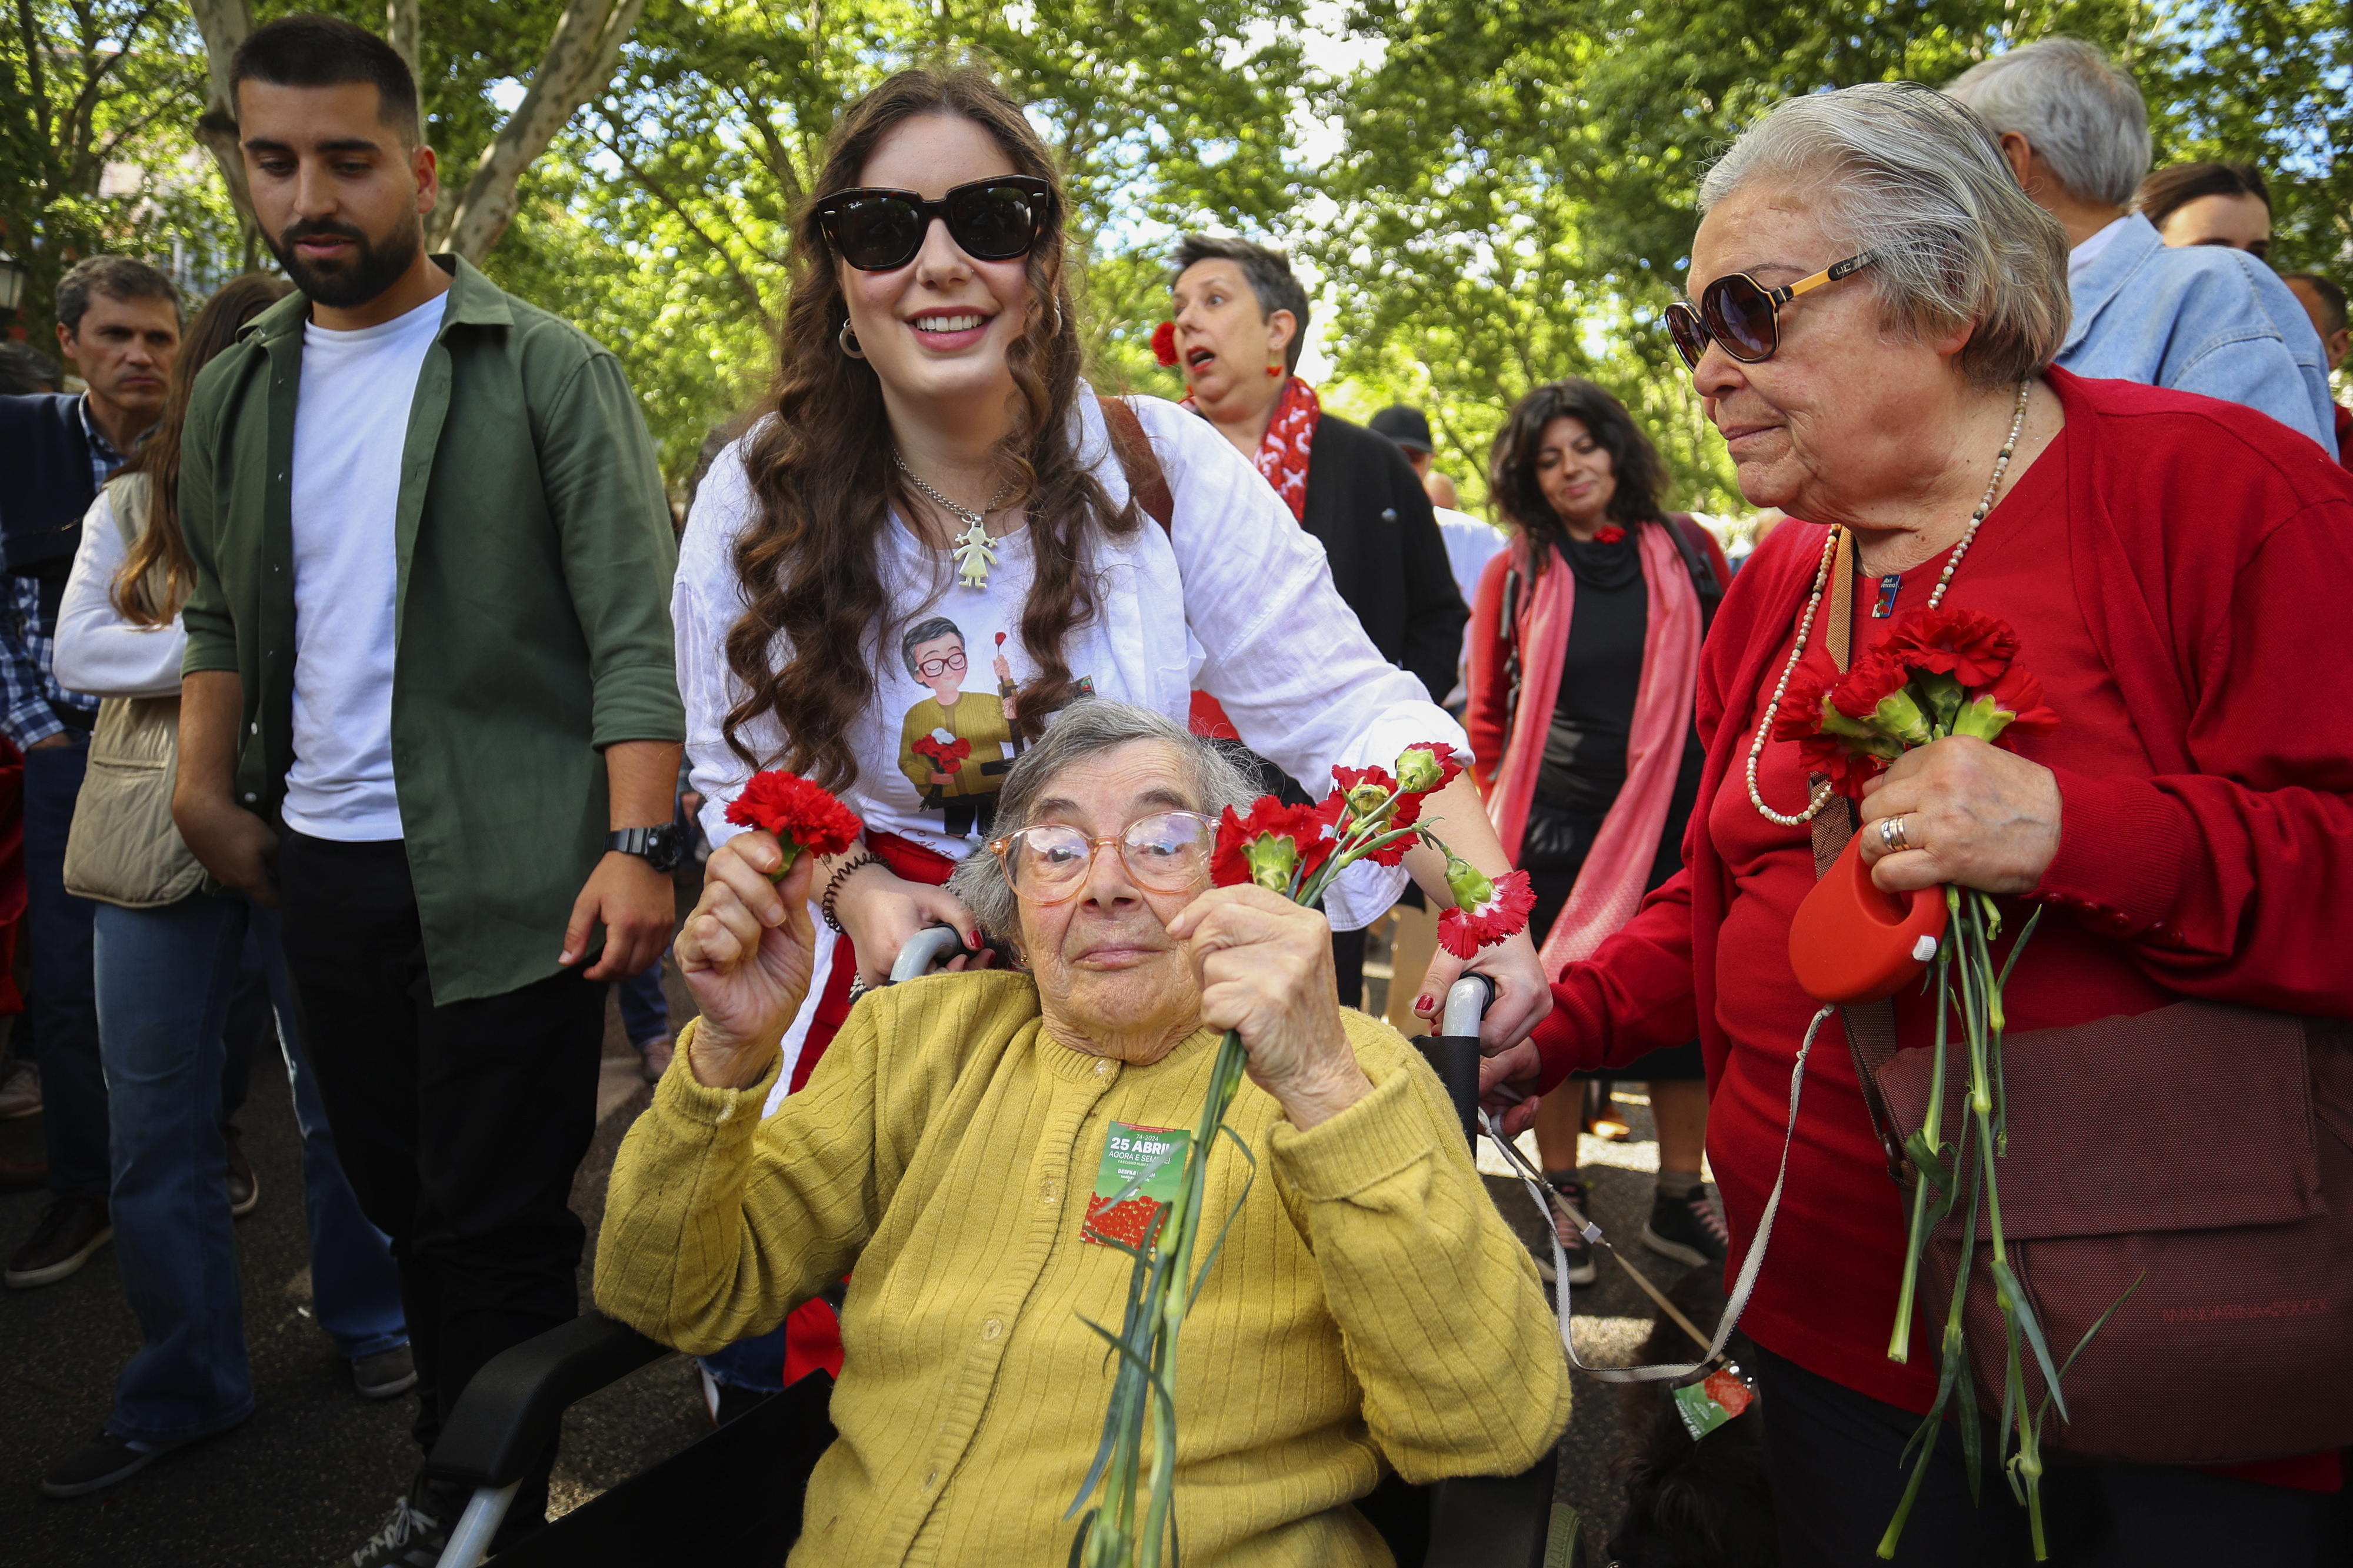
955 746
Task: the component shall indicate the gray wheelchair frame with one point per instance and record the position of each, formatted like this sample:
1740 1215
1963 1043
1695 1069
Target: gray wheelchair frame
734 1498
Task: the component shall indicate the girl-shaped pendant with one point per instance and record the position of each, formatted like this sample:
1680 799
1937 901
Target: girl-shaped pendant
974 555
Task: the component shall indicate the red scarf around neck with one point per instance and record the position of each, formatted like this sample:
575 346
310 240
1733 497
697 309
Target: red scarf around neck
1290 438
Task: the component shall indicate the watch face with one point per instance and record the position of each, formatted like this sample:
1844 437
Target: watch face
665 846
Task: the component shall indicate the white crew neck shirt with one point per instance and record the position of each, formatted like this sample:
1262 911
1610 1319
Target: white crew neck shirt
350 427
2094 245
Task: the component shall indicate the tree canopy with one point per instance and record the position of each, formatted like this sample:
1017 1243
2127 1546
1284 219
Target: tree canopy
1501 195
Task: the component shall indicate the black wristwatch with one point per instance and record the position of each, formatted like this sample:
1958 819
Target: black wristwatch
661 847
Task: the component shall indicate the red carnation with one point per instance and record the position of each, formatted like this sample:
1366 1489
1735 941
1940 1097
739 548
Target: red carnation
801 814
1800 713
1488 914
1871 679
1164 343
1365 790
1847 770
1426 766
1971 646
2019 693
946 756
1273 842
1608 533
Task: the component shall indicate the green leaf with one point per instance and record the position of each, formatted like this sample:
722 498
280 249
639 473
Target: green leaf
2022 1310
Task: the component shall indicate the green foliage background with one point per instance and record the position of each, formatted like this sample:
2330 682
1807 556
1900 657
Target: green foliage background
1499 196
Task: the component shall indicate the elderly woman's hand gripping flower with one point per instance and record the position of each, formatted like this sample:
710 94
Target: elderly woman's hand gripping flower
1265 969
746 952
1968 813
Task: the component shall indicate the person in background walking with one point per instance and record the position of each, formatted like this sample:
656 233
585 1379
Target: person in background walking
185 980
2209 203
1584 658
2201 318
429 706
2323 301
24 369
119 326
1240 322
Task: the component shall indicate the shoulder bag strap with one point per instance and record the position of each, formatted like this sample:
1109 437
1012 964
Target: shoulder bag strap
1871 1026
1146 480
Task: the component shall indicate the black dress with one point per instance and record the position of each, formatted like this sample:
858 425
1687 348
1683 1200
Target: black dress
1584 762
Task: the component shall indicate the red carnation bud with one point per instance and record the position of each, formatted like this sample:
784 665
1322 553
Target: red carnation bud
1164 343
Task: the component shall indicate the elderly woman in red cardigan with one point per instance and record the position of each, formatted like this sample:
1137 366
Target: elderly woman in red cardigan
1878 308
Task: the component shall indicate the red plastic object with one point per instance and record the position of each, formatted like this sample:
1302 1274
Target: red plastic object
1853 942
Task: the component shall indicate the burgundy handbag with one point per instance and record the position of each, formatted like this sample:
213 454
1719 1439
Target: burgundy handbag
2200 1156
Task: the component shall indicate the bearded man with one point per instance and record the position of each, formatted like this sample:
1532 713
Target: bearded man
433 559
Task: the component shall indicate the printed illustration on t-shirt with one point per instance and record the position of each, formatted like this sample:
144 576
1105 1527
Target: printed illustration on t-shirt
955 746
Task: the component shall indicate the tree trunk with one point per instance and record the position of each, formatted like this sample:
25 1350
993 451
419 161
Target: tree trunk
402 27
579 63
225 24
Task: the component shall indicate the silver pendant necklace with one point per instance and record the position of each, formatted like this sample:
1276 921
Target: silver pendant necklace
974 552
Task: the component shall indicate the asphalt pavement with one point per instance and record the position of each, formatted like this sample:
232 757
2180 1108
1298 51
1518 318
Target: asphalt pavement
313 1473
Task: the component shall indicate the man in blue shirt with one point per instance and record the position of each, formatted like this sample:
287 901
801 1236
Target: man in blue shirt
119 326
2202 319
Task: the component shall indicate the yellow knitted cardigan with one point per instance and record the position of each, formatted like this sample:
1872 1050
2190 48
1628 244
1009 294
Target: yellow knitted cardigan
1370 1305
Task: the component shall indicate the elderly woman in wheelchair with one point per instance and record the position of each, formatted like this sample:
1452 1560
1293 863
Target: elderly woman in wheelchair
1369 1309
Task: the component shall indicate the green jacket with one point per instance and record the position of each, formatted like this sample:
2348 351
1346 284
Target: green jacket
531 623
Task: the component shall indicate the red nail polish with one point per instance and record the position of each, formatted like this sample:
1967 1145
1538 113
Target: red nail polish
1425 1004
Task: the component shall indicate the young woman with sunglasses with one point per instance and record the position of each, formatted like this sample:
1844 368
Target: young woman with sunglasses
1584 659
2169 566
933 543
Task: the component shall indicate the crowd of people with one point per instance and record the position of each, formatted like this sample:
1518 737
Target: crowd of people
363 692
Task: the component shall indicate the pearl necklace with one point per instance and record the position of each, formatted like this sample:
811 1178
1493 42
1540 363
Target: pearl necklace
972 548
1813 604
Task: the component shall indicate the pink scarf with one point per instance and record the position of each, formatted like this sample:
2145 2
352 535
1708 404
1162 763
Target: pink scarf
1609 886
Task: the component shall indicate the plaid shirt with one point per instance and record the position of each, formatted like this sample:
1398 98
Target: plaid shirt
29 694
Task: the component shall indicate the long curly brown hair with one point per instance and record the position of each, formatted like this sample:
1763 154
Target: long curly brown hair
822 474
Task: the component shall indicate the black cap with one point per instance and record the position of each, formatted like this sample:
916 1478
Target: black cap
1405 426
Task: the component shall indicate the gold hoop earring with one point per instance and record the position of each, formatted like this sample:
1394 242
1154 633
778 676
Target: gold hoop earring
847 342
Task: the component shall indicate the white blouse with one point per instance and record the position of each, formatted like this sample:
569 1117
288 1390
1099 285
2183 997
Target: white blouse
1234 598
99 653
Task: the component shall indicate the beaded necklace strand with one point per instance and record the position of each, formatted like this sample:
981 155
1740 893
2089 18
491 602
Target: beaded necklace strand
1813 604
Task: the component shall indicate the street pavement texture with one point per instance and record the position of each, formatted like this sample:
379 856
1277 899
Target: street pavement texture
313 1471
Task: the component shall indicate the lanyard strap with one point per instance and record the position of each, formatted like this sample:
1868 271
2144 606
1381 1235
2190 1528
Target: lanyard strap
1750 1266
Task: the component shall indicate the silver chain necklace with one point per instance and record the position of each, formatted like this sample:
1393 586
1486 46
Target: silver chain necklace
1814 601
974 552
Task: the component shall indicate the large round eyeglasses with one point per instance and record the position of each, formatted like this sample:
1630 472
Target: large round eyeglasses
1167 852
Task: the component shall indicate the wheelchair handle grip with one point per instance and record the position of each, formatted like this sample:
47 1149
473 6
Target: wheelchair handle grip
921 950
1467 1001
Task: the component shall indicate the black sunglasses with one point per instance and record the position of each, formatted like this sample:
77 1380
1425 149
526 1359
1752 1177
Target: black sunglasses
992 220
1743 315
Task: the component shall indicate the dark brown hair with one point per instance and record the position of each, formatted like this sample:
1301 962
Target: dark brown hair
2168 191
821 474
1642 475
237 301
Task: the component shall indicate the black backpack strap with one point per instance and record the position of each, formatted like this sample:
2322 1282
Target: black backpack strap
1691 543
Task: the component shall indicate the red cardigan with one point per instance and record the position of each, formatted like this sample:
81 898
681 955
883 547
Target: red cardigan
2208 549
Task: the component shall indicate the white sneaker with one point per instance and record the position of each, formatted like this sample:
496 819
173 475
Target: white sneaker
411 1538
20 1090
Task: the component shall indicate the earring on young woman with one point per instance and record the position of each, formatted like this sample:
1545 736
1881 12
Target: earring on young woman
847 340
1273 371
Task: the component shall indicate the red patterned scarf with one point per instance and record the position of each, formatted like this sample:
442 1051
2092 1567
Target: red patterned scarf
1290 436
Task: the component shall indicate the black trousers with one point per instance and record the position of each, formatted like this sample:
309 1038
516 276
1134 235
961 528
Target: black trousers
1836 1482
461 1125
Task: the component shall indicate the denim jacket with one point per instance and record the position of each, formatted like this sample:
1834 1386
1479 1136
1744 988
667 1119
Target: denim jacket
2199 319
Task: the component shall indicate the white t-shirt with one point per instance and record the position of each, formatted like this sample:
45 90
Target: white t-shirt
2094 245
1234 598
350 430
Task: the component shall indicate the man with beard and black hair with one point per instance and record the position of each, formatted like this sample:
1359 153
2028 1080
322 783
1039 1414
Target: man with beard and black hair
432 565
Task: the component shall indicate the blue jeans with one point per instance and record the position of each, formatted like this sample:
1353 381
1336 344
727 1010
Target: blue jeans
172 983
61 1009
645 1011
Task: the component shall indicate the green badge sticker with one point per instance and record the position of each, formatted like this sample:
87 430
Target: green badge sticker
1134 1183
1708 1405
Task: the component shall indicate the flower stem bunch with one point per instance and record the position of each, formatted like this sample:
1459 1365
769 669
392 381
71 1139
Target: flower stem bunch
1371 813
1941 673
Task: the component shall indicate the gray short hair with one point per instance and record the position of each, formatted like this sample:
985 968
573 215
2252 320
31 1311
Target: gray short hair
1272 279
1902 172
2081 115
1213 781
116 276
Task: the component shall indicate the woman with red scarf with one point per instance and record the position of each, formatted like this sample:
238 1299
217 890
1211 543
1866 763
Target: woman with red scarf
1873 308
1239 323
1584 657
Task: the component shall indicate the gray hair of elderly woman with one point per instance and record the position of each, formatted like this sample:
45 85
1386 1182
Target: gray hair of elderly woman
1211 781
2084 117
1904 173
